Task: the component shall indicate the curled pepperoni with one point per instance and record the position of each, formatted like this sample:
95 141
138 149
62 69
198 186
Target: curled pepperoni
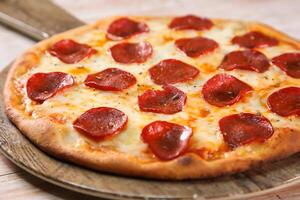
285 102
42 86
169 101
222 90
124 27
70 52
172 71
131 52
166 140
110 79
194 47
244 128
101 122
254 39
246 60
289 63
190 22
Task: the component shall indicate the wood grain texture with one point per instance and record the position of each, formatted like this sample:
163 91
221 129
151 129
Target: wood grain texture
17 184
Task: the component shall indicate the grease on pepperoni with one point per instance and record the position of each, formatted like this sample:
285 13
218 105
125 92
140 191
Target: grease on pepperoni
246 60
127 53
254 39
194 47
190 22
166 140
42 86
172 71
170 100
244 128
110 79
289 63
124 27
71 52
285 102
222 90
99 123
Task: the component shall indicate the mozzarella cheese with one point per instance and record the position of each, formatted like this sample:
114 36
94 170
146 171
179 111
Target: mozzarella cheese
202 117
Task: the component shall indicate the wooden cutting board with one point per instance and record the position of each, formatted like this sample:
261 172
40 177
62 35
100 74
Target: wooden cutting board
258 182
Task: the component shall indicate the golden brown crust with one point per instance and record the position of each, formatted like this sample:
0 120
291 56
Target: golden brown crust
45 134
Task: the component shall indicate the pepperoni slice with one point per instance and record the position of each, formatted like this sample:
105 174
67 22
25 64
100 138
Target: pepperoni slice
194 47
289 63
110 79
166 140
168 101
222 90
124 27
172 71
70 52
285 102
244 128
99 123
42 86
190 22
131 52
246 60
254 39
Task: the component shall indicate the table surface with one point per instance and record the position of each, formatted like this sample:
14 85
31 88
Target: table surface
282 14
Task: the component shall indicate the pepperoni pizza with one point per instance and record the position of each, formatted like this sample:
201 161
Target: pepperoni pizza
161 97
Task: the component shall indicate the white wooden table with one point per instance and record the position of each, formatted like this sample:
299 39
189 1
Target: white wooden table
282 14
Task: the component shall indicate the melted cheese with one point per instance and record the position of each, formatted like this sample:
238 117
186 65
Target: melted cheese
202 117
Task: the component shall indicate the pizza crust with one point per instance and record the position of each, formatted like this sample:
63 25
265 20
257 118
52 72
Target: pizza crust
46 134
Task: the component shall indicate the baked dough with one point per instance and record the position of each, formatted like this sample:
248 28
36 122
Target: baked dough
51 132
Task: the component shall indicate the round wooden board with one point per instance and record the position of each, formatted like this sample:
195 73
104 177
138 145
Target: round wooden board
243 185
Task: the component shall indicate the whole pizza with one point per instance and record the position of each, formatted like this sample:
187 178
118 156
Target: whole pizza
160 97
